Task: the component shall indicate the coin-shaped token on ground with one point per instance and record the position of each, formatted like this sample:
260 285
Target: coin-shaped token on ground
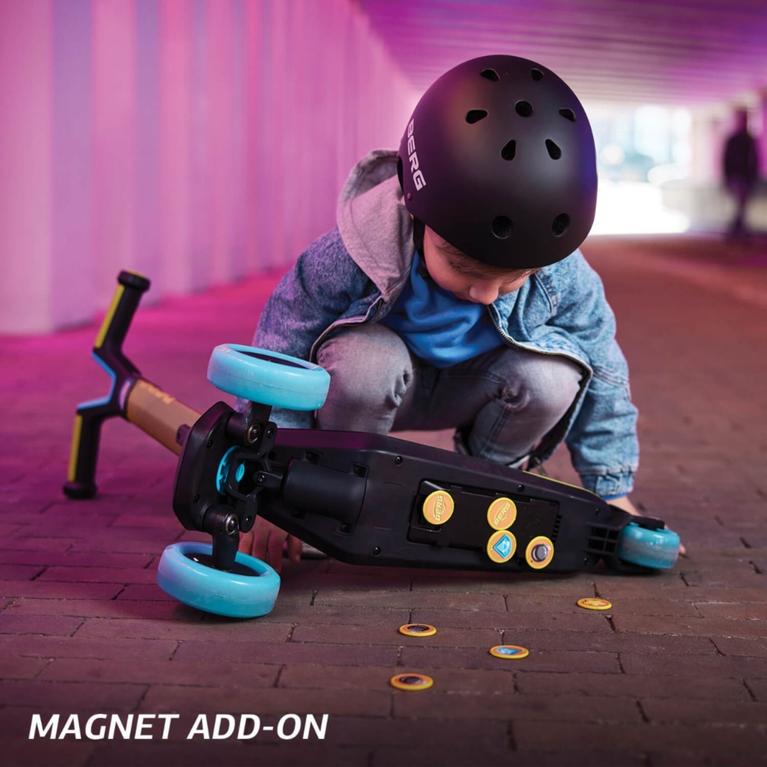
594 603
418 630
411 682
509 651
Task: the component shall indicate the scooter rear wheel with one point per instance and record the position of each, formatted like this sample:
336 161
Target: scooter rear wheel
656 549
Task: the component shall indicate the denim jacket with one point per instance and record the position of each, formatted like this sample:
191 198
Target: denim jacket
354 274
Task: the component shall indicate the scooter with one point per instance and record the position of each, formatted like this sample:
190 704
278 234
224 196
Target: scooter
361 498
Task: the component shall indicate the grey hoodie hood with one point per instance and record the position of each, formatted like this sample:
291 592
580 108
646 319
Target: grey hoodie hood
374 223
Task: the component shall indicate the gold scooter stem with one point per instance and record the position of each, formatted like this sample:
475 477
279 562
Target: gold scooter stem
159 415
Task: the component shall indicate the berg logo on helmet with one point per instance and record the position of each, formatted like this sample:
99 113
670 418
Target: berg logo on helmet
418 177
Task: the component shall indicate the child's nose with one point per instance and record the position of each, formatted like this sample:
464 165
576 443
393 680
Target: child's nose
483 292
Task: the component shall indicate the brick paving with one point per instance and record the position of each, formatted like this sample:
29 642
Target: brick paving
675 673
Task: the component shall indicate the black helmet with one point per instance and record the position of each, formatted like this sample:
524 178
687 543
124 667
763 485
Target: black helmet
499 160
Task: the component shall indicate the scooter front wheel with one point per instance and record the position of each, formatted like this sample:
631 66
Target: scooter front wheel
267 377
249 590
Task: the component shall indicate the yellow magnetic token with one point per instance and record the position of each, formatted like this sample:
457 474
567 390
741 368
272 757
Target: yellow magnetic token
539 552
501 513
509 651
501 546
411 682
594 603
418 630
438 507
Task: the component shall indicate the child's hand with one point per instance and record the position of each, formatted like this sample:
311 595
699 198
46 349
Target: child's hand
266 541
624 503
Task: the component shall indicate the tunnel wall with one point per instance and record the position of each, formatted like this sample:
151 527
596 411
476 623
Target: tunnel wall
193 141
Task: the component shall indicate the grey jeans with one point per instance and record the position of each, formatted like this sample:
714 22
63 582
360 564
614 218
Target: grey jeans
501 403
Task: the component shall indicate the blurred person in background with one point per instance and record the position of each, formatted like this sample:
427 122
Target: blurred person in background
740 167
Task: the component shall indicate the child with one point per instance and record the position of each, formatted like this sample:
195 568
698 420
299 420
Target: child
452 292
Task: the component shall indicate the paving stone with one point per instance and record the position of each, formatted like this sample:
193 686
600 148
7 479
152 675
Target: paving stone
356 634
19 752
105 608
99 574
61 590
517 708
292 652
65 697
19 572
278 701
77 647
385 618
706 740
415 734
633 685
410 599
613 642
38 624
733 646
73 559
733 610
451 681
693 626
194 627
19 667
660 664
571 619
758 687
231 753
668 710
228 672
416 655
475 752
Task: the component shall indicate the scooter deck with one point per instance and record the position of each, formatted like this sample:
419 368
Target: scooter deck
373 499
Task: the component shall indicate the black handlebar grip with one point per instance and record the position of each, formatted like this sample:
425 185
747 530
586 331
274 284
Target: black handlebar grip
120 314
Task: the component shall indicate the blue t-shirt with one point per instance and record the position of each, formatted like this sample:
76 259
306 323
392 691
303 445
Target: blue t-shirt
438 327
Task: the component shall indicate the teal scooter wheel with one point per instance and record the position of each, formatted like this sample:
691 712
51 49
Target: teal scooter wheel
269 378
249 590
656 549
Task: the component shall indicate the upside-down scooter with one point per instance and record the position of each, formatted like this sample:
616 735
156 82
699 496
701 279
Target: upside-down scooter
361 498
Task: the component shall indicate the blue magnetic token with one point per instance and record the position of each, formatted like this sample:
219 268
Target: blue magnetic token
509 651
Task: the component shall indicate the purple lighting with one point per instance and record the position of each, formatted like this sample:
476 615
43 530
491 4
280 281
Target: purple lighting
194 141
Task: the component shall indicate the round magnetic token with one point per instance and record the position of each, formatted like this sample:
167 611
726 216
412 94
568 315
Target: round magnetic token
594 603
539 552
418 630
501 513
438 507
501 546
509 651
411 682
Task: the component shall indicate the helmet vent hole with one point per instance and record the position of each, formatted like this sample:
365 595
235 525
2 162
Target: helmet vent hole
524 108
554 151
568 114
561 224
536 74
509 150
475 115
502 227
490 74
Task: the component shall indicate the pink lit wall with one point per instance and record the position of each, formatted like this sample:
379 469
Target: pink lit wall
195 141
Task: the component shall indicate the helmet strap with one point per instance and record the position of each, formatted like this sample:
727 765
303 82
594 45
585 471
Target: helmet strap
418 231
